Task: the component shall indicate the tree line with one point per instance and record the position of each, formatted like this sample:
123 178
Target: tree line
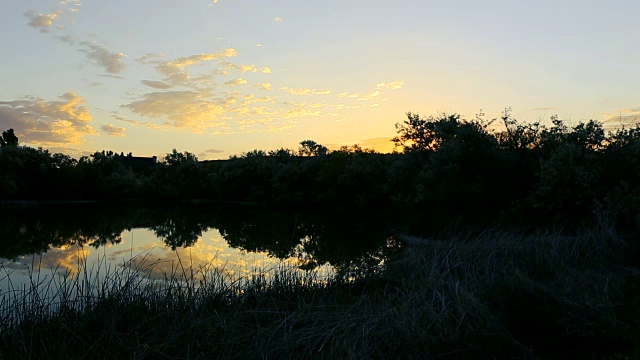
444 164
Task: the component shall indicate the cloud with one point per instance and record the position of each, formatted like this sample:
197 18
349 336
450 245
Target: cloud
264 86
66 39
345 107
226 101
112 130
304 91
102 56
42 21
374 94
543 108
394 85
156 84
168 68
207 153
299 91
46 123
174 71
115 115
111 76
361 96
301 112
251 99
70 2
245 68
181 109
278 19
149 58
241 68
625 117
235 82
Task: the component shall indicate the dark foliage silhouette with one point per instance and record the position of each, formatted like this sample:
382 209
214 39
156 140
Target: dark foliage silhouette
459 167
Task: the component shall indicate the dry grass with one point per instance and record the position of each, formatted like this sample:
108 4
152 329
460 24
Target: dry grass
495 295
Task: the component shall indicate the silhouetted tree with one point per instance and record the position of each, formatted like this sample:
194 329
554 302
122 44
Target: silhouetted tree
518 136
312 148
420 134
8 138
177 158
180 176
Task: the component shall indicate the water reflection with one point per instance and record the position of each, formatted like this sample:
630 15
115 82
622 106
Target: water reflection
236 239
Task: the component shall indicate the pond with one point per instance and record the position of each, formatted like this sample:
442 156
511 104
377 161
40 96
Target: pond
49 243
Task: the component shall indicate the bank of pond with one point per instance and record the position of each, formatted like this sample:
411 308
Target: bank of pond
227 281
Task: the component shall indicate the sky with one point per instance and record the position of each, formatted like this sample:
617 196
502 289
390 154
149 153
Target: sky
222 77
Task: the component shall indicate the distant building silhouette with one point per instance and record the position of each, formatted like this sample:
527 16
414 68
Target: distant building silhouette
140 163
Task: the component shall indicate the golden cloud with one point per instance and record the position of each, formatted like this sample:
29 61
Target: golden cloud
112 130
394 85
301 112
304 91
264 86
182 109
174 71
42 20
48 123
173 66
361 96
235 82
252 99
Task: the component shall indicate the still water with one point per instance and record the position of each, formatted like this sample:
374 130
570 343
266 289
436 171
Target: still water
43 243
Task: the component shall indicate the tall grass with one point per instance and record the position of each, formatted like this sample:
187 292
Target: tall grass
492 295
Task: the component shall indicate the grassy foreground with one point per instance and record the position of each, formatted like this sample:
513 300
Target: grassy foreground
498 294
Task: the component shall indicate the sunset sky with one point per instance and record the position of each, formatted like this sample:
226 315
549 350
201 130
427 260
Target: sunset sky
221 77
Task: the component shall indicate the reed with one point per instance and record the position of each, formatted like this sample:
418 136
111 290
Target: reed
490 295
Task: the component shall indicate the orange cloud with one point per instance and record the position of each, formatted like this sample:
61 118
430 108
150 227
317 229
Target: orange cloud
48 123
182 109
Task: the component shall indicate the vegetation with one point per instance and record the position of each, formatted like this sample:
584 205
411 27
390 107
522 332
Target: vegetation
550 174
557 278
500 294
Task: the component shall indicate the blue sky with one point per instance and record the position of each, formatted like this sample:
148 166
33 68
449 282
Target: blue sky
220 78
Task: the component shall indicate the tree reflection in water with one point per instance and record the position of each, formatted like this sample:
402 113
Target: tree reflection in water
353 243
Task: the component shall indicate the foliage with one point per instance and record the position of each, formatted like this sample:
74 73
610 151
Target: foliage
8 138
311 148
420 134
499 294
556 173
